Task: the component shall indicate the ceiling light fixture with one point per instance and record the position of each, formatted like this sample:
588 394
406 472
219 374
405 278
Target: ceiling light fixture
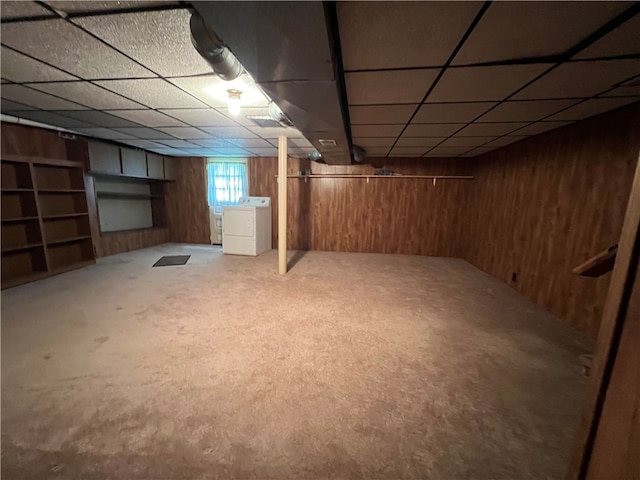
233 102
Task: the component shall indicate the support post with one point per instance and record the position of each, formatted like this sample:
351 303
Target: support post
282 205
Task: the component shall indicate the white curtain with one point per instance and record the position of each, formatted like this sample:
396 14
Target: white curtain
227 182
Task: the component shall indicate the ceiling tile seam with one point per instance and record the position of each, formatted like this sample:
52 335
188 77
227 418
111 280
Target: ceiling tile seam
127 10
593 37
465 36
51 95
40 61
593 97
33 18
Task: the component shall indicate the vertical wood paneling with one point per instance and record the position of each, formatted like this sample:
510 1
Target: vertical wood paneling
543 205
23 140
186 202
120 242
408 216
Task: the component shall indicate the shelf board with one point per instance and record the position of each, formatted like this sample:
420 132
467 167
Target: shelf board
9 282
18 248
16 190
60 190
126 196
18 219
64 215
58 241
598 264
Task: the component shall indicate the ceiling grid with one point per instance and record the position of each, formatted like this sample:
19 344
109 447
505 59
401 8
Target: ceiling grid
422 79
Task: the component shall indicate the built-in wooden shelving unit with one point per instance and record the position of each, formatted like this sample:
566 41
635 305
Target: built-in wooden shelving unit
45 219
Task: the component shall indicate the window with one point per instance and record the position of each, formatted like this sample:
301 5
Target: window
227 182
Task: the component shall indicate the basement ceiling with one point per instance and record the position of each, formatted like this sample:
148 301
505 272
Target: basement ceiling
422 79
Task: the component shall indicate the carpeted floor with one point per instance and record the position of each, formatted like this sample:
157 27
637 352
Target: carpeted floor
351 366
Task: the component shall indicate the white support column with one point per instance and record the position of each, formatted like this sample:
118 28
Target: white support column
282 205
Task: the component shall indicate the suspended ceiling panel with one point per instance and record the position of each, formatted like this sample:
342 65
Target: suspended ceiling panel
62 45
163 45
127 71
376 35
124 71
469 78
19 68
512 30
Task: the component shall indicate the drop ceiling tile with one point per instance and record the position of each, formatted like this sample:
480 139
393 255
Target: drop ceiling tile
233 152
376 130
624 91
419 141
178 144
381 114
365 142
389 87
104 133
185 133
214 143
432 129
377 151
379 34
478 151
408 151
20 68
149 118
580 79
525 110
243 119
174 152
512 30
621 41
451 112
145 133
469 84
490 129
154 93
507 140
201 117
8 105
200 152
251 143
87 94
229 132
299 142
159 40
264 151
448 151
211 89
592 107
50 118
34 98
64 46
272 132
466 141
540 127
146 144
102 5
19 9
99 119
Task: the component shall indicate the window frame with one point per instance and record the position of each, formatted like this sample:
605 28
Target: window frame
210 160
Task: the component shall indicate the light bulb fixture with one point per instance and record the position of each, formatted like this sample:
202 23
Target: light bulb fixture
233 101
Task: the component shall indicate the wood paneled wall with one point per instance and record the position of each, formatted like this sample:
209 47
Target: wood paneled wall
386 215
542 206
38 142
186 202
120 242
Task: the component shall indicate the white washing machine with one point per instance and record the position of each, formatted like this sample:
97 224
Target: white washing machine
246 227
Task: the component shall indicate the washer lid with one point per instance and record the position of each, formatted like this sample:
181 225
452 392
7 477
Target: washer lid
255 201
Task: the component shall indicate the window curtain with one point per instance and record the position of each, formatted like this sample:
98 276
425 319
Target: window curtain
227 182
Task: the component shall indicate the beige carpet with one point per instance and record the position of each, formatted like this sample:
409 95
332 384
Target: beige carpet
351 366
